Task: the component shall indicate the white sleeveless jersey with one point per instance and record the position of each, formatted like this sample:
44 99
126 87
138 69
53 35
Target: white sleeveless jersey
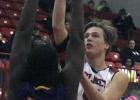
99 79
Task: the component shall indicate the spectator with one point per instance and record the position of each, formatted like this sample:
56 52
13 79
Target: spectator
124 23
91 4
130 52
129 63
102 6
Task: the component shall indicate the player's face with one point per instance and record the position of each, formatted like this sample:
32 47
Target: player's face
94 41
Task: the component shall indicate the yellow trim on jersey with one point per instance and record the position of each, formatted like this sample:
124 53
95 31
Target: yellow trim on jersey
41 87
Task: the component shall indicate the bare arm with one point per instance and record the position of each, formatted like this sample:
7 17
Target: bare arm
118 86
58 21
114 90
74 51
21 46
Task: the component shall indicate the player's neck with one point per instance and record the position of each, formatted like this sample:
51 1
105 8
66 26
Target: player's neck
98 64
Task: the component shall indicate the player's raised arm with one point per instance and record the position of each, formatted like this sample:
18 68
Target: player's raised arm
58 21
74 51
21 46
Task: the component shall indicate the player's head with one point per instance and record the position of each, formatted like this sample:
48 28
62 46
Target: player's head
99 37
43 64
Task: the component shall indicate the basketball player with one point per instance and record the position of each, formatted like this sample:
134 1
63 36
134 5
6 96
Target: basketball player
99 82
34 70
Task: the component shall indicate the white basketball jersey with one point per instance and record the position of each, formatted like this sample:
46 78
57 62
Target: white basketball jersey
99 79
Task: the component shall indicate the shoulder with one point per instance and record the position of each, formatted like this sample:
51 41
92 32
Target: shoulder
121 77
122 74
117 86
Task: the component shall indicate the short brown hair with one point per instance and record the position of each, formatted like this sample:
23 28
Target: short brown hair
110 35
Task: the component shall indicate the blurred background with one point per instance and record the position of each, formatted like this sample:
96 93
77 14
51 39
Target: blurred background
122 14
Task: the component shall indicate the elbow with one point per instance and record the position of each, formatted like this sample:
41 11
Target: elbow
55 28
58 28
